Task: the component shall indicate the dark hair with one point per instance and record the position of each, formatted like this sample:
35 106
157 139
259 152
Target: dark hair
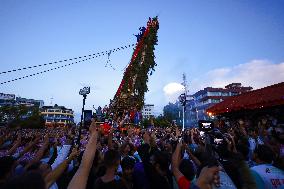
6 164
111 157
143 151
123 146
187 169
127 162
264 153
34 166
31 180
162 159
243 149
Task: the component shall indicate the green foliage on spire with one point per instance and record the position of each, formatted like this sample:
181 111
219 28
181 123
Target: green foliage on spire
137 75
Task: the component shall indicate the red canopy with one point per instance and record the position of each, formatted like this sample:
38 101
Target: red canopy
261 98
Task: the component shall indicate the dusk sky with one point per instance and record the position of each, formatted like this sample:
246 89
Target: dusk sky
214 42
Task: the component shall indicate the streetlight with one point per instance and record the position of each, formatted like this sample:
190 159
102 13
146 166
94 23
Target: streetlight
83 92
182 100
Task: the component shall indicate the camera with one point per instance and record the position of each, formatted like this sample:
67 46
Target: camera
205 126
213 138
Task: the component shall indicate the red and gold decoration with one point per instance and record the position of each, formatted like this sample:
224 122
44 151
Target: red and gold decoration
131 91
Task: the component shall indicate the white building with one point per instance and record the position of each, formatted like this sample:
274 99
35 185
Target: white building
57 115
148 111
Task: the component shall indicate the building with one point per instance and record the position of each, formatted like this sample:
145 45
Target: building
7 99
148 111
57 115
29 102
200 101
267 101
12 100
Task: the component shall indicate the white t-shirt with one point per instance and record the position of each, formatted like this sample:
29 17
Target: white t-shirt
252 143
62 153
268 176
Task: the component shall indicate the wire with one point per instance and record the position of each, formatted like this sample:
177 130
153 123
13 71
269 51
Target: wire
59 67
70 59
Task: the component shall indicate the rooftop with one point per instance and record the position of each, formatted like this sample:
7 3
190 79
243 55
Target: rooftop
261 98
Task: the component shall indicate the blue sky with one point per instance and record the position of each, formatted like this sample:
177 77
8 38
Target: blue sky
213 42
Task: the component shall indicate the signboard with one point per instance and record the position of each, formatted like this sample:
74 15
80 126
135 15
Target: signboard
7 96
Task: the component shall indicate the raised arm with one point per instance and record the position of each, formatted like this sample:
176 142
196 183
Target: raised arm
109 140
175 162
79 180
58 171
16 144
40 152
191 137
194 159
29 146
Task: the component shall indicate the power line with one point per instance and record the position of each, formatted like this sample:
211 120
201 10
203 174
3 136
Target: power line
55 68
70 59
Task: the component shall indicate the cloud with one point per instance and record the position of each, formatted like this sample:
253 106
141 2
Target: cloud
172 91
256 73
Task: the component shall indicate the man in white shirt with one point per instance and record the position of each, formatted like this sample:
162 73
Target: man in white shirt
266 175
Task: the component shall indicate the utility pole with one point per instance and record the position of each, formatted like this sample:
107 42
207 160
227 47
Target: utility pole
182 98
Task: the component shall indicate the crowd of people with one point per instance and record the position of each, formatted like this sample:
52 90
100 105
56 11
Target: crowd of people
238 154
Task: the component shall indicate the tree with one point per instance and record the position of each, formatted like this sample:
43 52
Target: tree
146 123
10 113
21 117
173 111
161 121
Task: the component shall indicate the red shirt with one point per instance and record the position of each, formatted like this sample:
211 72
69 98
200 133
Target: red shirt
183 183
106 128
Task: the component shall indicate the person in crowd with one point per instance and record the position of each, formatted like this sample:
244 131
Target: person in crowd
7 166
206 179
110 180
127 165
80 178
266 175
31 180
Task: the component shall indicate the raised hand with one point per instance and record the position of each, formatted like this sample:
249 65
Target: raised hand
75 152
178 133
18 140
93 128
146 138
46 140
208 177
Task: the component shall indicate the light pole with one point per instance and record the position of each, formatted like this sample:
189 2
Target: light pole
83 92
182 99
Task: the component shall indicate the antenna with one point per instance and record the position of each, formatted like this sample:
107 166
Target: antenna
51 99
184 83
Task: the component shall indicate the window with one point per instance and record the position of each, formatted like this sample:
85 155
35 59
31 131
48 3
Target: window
214 93
215 100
